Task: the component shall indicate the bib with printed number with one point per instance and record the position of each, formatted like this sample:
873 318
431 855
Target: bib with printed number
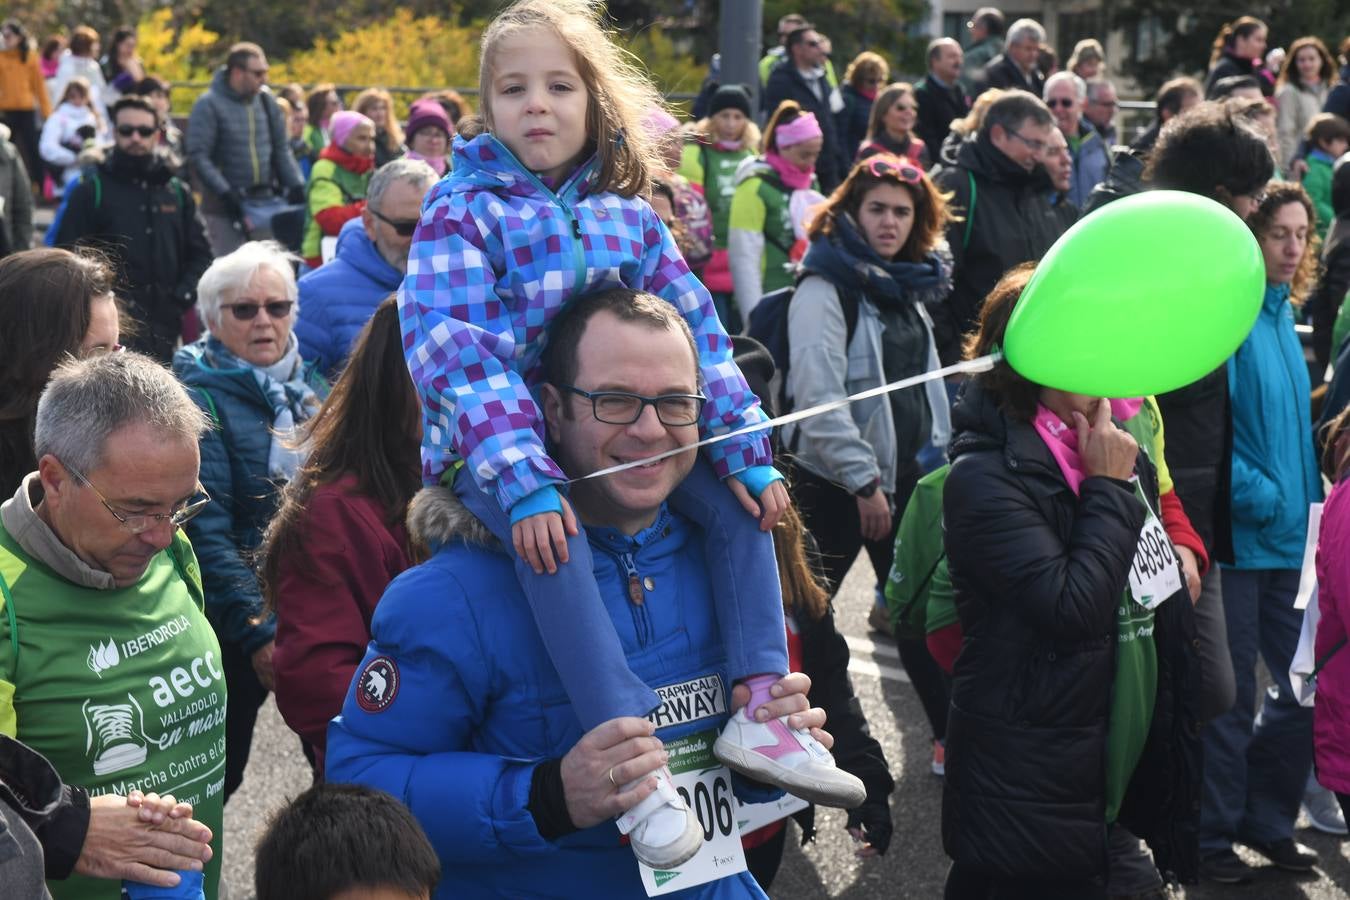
705 785
1155 573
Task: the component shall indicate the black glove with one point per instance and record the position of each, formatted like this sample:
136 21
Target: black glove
872 823
233 201
295 194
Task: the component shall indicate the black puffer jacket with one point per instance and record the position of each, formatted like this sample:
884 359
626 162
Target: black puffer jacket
1013 223
146 220
1123 179
1326 299
1038 574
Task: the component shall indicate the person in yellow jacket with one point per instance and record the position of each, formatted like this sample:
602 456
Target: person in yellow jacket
22 90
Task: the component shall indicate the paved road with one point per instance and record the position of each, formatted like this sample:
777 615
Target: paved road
915 866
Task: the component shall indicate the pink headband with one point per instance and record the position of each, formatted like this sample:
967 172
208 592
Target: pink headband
800 129
657 122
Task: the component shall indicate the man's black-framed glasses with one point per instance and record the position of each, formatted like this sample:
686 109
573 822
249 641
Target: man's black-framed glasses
624 408
403 228
138 523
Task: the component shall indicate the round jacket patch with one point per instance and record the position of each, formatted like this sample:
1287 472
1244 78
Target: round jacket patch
378 685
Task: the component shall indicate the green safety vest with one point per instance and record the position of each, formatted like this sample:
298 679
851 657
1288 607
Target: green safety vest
120 689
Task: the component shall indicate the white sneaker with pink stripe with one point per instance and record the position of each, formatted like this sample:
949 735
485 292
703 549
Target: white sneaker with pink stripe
788 758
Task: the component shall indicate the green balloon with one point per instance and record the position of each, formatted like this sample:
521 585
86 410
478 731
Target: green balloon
1146 295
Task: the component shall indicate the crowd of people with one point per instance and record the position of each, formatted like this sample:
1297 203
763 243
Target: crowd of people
381 369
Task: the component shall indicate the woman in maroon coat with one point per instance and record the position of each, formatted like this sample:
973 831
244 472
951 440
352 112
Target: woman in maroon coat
338 538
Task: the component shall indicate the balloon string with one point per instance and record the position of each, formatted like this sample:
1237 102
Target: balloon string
980 364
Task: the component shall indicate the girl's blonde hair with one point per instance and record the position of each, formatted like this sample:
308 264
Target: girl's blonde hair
971 122
393 132
621 92
750 136
81 84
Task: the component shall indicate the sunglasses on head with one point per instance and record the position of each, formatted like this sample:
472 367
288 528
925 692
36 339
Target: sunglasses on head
883 164
144 131
276 309
404 228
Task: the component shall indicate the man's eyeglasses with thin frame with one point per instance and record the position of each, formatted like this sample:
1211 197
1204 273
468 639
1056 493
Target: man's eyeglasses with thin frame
139 523
625 408
1032 144
403 228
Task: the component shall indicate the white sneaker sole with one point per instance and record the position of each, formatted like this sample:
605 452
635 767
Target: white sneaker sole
677 852
840 789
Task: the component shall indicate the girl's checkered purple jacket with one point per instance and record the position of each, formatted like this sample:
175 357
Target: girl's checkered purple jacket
496 256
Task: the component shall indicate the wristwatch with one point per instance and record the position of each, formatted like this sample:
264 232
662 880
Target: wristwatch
868 489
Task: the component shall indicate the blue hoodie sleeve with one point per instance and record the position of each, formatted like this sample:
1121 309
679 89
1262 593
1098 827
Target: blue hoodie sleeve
417 747
731 404
460 343
314 331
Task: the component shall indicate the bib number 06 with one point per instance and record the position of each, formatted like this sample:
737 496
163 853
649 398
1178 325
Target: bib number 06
712 806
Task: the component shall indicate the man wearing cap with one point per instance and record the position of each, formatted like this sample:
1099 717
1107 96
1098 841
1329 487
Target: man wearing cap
801 77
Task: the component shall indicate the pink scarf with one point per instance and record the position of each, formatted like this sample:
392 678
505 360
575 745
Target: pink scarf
1062 440
793 177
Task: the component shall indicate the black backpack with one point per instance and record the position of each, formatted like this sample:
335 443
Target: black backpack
769 326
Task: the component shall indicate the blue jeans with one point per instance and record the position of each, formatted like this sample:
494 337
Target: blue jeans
579 634
1256 766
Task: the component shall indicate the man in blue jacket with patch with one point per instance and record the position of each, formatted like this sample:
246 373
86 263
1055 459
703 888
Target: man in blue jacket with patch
456 708
339 297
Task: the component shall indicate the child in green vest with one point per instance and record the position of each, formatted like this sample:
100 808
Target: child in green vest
338 181
1328 138
721 142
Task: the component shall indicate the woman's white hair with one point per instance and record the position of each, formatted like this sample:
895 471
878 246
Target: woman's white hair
229 276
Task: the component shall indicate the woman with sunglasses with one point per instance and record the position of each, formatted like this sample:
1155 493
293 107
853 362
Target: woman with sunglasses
890 127
866 76
247 375
857 321
53 304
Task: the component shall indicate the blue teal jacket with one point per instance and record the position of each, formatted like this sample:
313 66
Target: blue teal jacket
243 499
1275 473
478 704
339 297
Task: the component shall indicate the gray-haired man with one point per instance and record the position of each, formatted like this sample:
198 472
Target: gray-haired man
108 667
339 297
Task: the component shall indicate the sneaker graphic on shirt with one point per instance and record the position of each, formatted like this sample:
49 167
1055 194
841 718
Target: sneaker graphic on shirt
108 734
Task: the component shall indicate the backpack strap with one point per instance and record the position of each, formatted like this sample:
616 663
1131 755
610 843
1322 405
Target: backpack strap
970 210
13 621
98 189
210 406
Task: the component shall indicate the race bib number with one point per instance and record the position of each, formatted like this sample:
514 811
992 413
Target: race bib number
1156 573
705 785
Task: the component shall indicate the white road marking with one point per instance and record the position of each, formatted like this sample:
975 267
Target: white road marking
867 667
871 648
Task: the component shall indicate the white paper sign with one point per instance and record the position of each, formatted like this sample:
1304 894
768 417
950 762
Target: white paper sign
752 816
705 784
1155 574
1307 579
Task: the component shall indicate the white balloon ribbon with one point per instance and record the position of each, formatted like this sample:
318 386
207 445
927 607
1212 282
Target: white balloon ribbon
970 366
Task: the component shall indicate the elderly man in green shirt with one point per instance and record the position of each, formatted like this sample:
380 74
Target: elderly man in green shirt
108 667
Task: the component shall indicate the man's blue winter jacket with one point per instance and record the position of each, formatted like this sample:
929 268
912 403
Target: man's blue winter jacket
468 702
339 297
1275 473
